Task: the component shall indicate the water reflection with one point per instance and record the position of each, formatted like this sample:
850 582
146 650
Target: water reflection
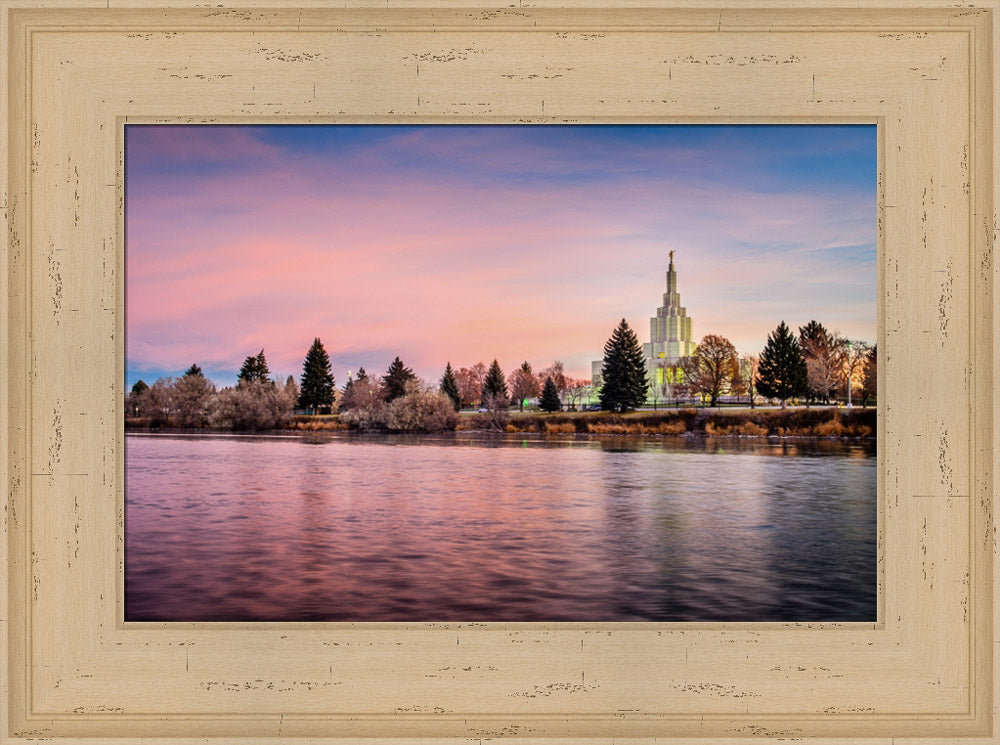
510 527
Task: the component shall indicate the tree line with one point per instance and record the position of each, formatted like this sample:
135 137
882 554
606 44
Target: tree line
815 366
396 401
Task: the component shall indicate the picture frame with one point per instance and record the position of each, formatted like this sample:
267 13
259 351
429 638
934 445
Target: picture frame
76 72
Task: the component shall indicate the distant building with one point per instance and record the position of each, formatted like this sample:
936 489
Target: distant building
670 337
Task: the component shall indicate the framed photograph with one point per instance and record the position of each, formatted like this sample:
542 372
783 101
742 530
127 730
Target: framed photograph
79 83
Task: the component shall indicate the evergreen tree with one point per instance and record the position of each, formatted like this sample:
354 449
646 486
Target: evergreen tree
782 372
550 397
316 388
495 387
813 331
195 371
133 400
254 370
395 379
449 387
624 371
362 375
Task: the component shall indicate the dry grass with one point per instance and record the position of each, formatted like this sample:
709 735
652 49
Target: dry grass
560 428
671 428
832 428
316 424
751 429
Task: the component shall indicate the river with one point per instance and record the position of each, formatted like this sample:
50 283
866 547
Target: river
471 527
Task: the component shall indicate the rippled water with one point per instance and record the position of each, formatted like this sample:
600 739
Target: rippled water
460 527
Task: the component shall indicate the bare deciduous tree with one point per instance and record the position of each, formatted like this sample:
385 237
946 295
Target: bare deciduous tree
523 384
711 368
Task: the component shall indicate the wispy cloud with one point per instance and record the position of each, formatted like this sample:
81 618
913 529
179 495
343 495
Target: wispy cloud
464 244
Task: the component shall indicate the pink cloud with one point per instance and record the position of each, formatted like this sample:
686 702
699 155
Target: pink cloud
459 271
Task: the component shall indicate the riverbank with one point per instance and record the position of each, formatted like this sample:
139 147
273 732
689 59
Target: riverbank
813 422
826 422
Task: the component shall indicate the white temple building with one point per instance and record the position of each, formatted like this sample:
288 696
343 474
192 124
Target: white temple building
671 336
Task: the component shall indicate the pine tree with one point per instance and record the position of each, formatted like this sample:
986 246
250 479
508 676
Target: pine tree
624 371
254 370
550 397
316 383
813 331
395 380
495 387
449 387
195 371
782 372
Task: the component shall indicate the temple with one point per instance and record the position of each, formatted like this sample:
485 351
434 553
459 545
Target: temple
670 330
671 337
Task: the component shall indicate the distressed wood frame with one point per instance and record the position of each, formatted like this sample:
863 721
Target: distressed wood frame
76 70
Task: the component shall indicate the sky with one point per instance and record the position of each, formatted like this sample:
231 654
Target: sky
462 244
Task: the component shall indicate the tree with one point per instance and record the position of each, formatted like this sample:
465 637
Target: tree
674 385
133 398
469 386
557 372
254 370
576 390
316 387
253 405
869 376
158 403
523 384
855 356
823 352
494 392
191 397
781 372
737 384
659 386
711 368
748 376
449 387
624 371
361 393
292 388
550 397
395 379
421 410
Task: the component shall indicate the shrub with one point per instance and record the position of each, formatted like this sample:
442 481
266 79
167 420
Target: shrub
373 415
421 411
250 406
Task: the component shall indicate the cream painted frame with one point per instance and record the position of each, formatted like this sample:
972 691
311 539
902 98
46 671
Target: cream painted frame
75 71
